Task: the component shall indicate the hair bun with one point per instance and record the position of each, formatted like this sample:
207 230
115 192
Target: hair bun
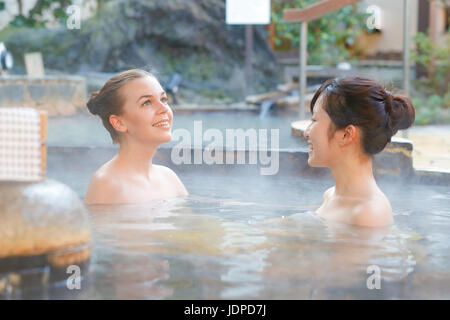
388 101
400 111
92 105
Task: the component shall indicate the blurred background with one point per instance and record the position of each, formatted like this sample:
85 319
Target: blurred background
192 49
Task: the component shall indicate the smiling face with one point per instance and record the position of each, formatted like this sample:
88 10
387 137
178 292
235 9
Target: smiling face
147 117
322 148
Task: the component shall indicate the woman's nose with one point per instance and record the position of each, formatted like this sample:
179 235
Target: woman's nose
306 133
164 107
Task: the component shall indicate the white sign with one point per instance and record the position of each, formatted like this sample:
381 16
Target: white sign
248 12
34 64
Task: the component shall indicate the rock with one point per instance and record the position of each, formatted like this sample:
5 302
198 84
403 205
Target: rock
188 37
42 218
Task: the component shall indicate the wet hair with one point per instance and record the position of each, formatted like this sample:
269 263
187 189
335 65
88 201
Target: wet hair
364 103
107 101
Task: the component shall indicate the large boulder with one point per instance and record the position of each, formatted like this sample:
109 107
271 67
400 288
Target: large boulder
185 36
42 218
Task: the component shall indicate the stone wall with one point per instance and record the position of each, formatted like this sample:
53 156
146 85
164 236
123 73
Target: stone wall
58 95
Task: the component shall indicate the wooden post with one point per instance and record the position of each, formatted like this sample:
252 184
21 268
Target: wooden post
302 67
432 27
271 37
248 58
315 11
406 48
304 15
43 118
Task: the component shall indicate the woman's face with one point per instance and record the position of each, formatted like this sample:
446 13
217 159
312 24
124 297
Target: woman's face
146 113
322 150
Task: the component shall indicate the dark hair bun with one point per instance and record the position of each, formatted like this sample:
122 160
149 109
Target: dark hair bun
400 112
92 106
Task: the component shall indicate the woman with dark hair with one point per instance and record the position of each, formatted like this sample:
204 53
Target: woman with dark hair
353 119
134 109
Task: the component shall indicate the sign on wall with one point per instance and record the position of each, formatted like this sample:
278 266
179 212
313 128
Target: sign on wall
248 11
34 64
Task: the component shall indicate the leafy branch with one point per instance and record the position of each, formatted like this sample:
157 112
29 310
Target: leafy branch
330 39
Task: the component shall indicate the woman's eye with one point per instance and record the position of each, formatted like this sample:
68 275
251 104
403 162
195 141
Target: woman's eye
146 103
165 100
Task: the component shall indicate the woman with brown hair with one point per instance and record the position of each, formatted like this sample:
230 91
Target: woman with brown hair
353 119
134 109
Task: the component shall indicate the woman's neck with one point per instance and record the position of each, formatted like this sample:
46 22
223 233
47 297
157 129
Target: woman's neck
354 177
136 158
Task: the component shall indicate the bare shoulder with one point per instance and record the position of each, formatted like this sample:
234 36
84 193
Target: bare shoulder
103 189
373 213
165 170
172 177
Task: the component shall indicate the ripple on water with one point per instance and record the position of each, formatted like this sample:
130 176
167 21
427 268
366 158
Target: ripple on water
238 249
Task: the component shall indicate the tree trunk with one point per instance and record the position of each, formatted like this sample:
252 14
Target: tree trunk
20 4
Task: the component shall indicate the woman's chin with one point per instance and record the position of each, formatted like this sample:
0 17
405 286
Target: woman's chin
317 164
166 137
310 159
160 139
312 162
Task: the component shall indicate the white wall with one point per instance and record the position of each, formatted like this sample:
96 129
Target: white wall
391 37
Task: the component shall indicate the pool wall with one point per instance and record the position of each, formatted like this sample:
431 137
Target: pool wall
75 166
58 95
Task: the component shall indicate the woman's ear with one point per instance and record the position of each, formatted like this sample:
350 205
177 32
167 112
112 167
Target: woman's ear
348 135
117 123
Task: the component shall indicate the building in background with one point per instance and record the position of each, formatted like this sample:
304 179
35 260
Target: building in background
383 39
378 50
435 17
386 42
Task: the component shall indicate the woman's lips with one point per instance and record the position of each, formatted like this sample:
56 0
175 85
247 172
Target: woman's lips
310 147
164 124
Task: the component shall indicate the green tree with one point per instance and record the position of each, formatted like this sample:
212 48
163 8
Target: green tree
36 16
330 39
435 59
